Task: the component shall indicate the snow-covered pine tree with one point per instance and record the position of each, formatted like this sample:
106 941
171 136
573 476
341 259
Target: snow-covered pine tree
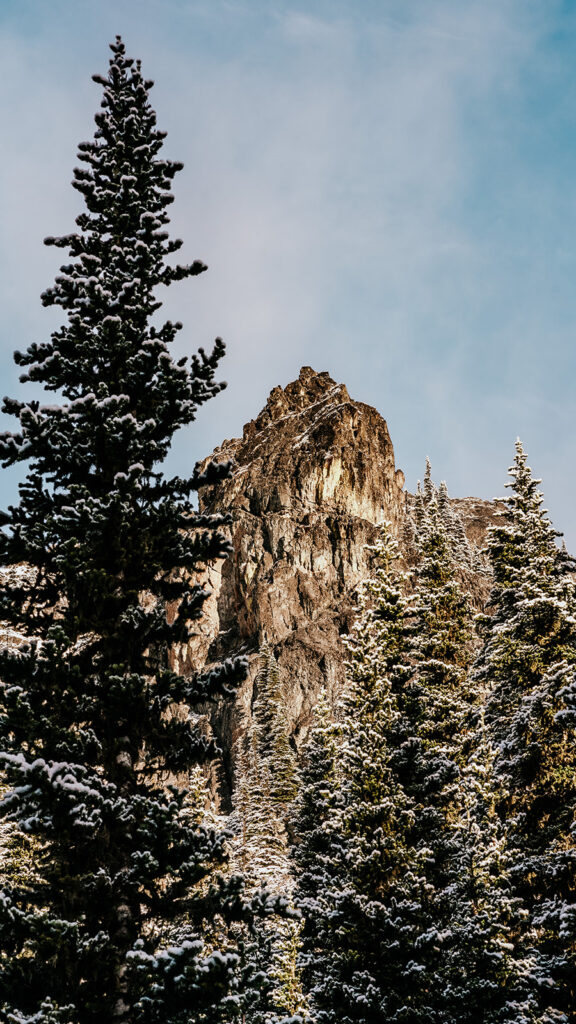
87 733
427 755
441 645
418 510
429 489
527 668
462 553
275 753
317 840
464 969
266 784
355 942
417 507
391 891
488 960
266 781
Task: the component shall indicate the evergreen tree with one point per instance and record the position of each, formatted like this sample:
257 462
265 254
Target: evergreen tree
266 784
275 753
488 964
354 939
404 920
471 965
527 667
429 489
316 839
469 563
454 528
266 780
442 641
261 836
452 974
84 706
418 507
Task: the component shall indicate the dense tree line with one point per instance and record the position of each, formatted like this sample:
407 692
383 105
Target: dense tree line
436 820
418 866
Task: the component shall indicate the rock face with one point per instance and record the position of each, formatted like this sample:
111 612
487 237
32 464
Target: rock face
314 477
478 515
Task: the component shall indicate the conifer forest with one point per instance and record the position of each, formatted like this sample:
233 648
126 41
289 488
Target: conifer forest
412 858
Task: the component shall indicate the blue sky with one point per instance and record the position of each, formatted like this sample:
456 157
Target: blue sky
384 190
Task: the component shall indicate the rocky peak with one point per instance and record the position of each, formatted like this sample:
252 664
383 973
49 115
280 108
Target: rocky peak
314 477
312 446
303 395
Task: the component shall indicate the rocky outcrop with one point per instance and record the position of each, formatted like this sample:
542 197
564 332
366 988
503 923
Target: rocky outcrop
314 476
477 515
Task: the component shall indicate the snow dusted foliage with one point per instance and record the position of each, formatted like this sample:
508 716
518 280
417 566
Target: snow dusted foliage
275 752
86 704
489 970
354 939
429 489
428 498
266 781
442 641
461 551
463 968
266 785
313 811
527 668
315 825
401 872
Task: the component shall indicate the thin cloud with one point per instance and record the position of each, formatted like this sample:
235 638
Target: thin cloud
330 182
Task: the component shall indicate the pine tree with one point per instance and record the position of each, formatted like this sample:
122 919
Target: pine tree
488 963
405 920
261 836
418 508
317 840
467 969
454 528
85 706
266 779
276 755
442 641
429 488
354 939
473 966
527 667
266 785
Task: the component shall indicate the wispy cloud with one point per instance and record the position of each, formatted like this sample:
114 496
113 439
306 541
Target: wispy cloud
354 178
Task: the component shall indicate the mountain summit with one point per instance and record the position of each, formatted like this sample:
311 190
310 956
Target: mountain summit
314 477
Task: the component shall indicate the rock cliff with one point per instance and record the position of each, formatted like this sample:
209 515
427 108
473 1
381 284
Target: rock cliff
314 476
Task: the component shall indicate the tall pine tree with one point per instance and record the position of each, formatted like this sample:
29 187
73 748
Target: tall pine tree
527 668
86 705
354 941
410 914
266 784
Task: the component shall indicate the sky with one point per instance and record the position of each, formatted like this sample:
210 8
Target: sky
384 189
